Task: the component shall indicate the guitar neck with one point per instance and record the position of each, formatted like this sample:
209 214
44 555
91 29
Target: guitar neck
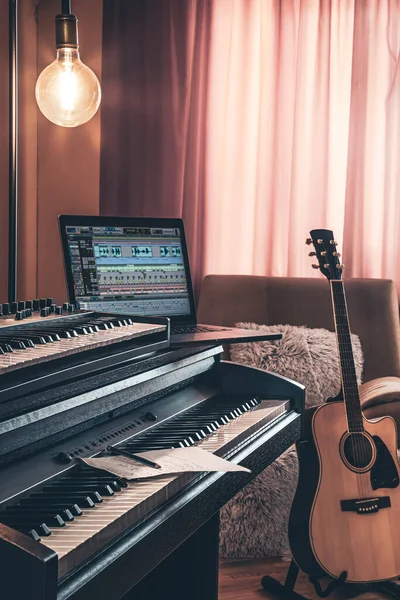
347 367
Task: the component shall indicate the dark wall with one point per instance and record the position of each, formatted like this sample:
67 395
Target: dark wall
58 168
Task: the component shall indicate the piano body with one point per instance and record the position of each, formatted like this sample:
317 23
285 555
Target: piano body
69 532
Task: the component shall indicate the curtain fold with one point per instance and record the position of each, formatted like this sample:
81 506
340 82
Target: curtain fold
155 77
256 121
372 220
279 102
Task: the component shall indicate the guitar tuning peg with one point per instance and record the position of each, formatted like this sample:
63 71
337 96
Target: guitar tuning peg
315 266
333 242
312 254
320 241
336 254
340 266
308 241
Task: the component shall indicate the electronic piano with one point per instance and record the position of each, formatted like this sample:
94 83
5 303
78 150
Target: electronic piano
68 531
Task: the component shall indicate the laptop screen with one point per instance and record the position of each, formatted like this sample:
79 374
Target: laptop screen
133 268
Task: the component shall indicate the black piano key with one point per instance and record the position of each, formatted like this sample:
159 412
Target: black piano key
6 347
188 428
65 514
93 494
37 339
102 489
32 333
217 415
116 322
63 332
82 500
49 335
141 447
99 325
39 334
28 342
107 322
191 432
89 476
82 330
33 519
41 529
214 418
113 483
15 344
94 326
53 505
175 440
30 532
201 423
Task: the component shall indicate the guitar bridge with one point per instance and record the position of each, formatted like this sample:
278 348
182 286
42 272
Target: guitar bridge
365 506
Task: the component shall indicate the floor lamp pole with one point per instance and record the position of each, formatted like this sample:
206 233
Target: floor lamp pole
13 150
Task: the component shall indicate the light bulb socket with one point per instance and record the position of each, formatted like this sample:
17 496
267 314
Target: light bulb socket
66 31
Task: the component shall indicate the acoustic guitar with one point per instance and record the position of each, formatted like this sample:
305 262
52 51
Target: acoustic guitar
345 516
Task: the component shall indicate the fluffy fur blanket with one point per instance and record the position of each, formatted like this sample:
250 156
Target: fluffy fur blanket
254 523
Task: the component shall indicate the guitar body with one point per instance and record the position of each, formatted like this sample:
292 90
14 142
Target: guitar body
361 535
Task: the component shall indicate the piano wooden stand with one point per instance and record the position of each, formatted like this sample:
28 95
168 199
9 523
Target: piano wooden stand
191 571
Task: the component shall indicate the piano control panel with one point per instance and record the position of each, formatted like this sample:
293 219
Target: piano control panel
42 307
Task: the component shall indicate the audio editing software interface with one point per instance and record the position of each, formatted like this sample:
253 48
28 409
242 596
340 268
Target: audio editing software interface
129 269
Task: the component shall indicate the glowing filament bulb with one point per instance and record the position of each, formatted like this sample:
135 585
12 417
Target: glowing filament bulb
67 92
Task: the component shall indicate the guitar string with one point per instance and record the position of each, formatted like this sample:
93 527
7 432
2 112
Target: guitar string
349 381
361 447
339 335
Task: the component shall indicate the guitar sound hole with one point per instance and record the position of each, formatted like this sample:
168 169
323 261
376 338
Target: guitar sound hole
358 450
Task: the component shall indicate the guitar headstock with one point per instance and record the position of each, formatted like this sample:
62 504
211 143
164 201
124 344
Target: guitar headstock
326 253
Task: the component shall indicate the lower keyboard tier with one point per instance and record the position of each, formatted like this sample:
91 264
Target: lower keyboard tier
92 560
146 544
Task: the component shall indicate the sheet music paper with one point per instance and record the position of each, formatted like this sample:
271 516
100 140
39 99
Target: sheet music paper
171 460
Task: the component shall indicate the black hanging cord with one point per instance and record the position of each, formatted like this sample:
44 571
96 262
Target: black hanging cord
66 7
13 150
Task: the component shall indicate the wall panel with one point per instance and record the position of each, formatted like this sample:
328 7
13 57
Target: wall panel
68 159
3 150
27 151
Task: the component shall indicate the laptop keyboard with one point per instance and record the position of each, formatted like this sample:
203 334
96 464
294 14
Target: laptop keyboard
175 329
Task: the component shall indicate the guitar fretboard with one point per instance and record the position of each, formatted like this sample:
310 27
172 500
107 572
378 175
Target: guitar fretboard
348 371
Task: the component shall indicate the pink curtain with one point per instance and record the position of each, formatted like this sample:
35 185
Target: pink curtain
256 121
303 132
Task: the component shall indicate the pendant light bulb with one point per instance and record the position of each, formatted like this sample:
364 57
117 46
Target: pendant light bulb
67 92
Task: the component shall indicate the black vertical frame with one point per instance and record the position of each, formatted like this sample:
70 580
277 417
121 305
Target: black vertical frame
13 150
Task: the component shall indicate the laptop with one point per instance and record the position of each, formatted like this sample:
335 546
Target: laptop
138 266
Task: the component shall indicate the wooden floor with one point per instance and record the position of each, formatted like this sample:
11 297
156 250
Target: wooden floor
240 580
